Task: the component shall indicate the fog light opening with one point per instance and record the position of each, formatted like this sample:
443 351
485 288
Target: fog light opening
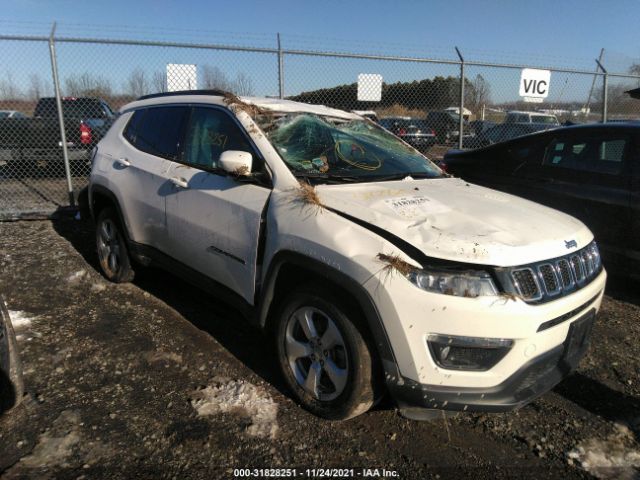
467 353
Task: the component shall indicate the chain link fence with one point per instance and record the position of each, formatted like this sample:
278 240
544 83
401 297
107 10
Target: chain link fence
58 97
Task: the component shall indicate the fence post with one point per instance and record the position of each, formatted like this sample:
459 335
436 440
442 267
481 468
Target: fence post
605 91
280 69
461 112
63 135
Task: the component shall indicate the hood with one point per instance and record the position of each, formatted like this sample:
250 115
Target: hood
451 219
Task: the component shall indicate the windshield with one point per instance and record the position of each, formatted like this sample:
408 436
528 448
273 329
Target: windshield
315 146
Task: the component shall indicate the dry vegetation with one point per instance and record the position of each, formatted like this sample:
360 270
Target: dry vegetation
237 104
307 195
393 263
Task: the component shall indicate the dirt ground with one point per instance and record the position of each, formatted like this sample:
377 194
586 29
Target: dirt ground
157 379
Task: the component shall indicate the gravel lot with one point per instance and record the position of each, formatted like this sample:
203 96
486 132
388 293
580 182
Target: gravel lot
160 380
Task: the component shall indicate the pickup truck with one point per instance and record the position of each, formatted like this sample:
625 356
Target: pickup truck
27 143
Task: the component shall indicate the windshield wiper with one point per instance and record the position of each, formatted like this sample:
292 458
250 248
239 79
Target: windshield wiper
329 177
402 176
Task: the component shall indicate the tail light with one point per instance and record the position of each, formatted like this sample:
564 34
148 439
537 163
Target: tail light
433 132
85 134
443 167
402 132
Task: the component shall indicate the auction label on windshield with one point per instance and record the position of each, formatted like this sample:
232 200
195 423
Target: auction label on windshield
415 206
314 473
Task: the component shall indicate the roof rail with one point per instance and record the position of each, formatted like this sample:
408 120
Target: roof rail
215 92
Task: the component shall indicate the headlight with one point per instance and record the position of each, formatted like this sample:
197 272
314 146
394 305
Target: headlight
459 284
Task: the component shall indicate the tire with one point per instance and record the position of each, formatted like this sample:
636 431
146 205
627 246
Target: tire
324 358
11 382
113 255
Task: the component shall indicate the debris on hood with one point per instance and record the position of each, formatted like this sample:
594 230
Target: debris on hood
307 195
236 104
393 263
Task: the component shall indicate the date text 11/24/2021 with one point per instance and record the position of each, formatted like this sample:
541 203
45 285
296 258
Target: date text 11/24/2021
314 473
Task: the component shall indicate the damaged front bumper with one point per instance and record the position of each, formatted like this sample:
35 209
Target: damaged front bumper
532 380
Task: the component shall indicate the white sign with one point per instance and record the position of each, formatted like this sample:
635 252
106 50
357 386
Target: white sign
534 84
369 87
181 76
415 207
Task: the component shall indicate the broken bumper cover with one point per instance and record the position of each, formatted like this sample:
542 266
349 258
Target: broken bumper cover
532 380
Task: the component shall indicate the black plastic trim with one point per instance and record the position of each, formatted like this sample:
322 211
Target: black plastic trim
188 274
562 318
212 92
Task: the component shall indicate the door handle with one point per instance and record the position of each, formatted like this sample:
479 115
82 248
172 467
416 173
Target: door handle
123 162
180 182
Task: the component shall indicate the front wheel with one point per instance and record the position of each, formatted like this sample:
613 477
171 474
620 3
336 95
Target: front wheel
112 248
323 356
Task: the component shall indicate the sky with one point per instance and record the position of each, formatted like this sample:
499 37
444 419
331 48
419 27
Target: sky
567 33
571 29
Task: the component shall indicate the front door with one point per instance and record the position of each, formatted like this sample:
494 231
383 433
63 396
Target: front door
213 218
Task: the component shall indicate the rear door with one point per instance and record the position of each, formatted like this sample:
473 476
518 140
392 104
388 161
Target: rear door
140 168
214 220
586 172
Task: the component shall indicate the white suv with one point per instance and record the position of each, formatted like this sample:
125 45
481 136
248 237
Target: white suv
371 269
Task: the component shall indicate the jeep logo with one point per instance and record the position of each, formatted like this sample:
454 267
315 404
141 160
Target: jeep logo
570 244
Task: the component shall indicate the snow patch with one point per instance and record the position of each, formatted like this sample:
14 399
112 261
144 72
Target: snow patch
55 447
98 287
21 322
616 457
239 398
76 277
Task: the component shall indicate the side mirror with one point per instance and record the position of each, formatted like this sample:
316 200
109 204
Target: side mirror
236 162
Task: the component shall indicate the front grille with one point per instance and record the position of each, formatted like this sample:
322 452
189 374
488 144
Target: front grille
565 273
526 283
546 280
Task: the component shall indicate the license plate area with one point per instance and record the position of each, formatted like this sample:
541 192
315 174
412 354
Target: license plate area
578 337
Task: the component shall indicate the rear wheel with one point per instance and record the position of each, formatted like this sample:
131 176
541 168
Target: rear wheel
113 254
323 356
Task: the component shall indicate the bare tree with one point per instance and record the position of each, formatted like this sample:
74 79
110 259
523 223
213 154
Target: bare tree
36 87
243 85
87 85
159 82
8 88
137 84
214 78
635 70
478 94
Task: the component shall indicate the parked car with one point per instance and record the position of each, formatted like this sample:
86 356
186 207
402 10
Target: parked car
25 141
11 384
11 114
588 171
413 131
479 127
446 126
516 116
503 132
369 268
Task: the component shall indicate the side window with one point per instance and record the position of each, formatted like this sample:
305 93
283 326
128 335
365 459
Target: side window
131 130
590 154
158 130
210 133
